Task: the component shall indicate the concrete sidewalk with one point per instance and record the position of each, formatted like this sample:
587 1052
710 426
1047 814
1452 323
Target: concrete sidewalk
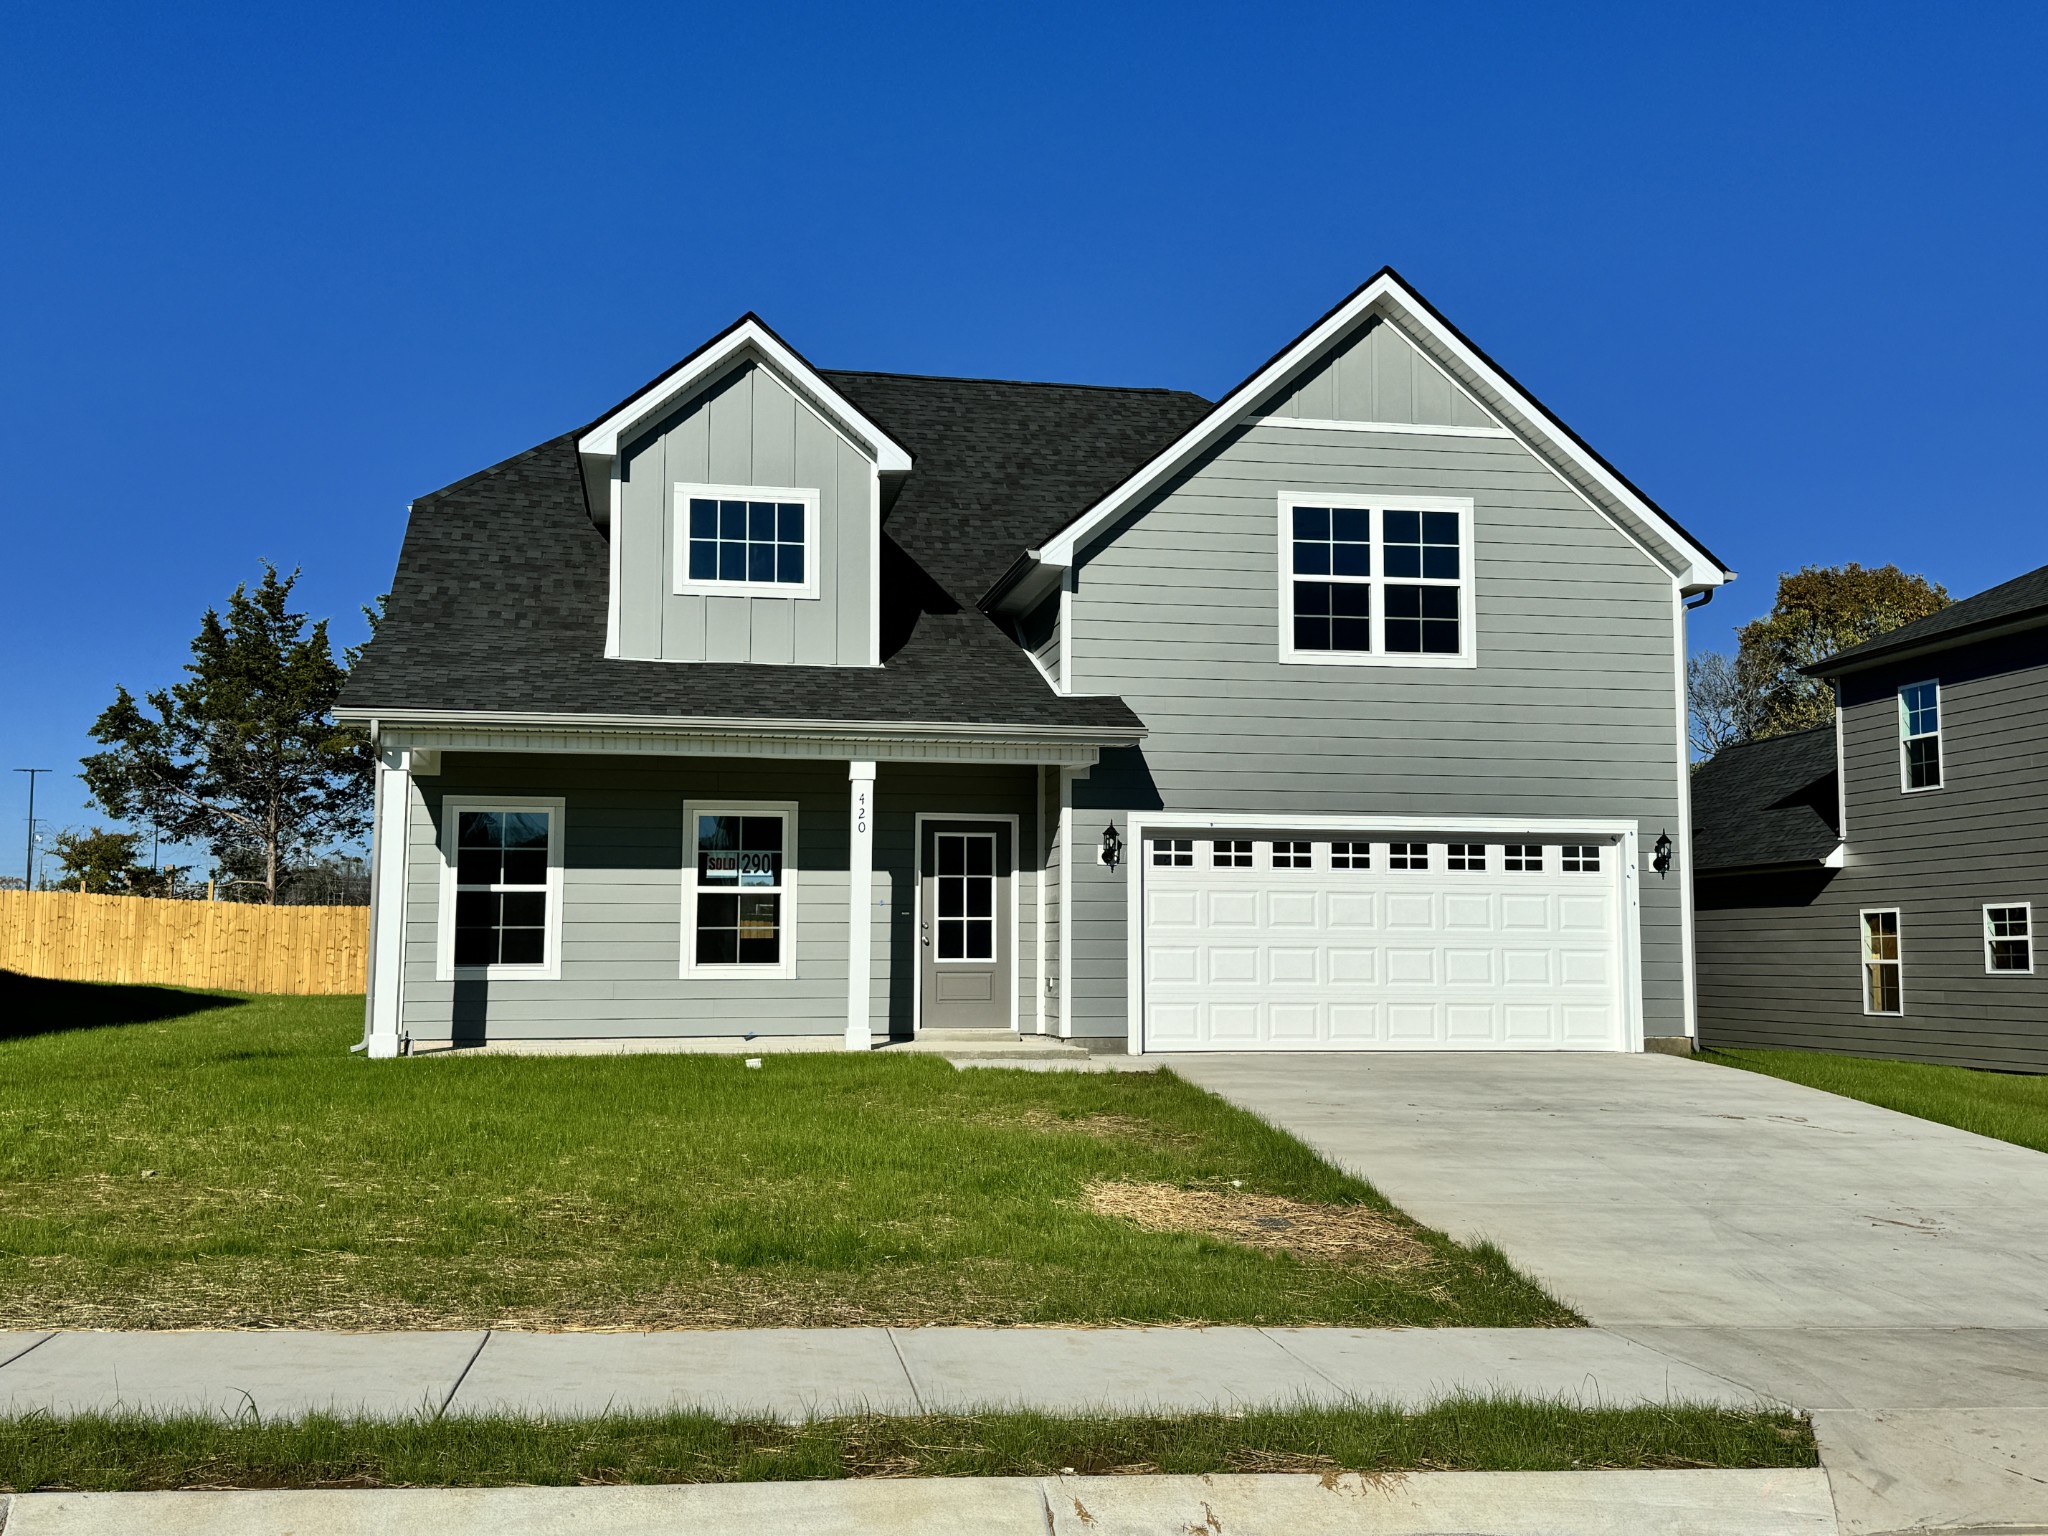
1791 1503
793 1373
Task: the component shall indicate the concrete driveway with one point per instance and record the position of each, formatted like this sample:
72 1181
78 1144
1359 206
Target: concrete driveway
1886 1272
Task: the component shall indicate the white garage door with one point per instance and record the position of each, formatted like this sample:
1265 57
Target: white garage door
1318 943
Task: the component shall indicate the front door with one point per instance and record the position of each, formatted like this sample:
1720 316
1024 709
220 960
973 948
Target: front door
963 925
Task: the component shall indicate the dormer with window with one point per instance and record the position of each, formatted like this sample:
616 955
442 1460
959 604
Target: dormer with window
742 496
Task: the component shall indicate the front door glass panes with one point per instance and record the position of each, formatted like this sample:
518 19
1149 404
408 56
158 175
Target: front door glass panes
966 895
750 541
501 887
1881 990
740 862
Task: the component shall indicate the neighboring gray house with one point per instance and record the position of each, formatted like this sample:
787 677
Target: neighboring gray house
1871 887
1344 713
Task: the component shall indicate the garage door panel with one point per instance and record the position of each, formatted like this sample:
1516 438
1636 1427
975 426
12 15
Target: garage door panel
1242 957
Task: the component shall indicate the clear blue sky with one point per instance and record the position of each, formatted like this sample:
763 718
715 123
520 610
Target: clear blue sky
269 272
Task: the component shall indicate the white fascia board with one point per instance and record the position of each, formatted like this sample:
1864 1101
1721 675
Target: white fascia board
602 441
1387 294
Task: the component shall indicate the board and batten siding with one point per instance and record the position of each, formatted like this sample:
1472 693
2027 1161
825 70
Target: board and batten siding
622 896
1571 710
1780 955
1378 375
747 429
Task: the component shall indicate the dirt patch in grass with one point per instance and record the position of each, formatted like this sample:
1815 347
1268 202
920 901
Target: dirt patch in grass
1337 1234
1107 1127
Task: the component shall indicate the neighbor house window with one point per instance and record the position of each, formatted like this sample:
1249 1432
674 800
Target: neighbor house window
1581 858
1522 858
2009 939
732 538
1471 856
502 897
1351 855
1231 854
1407 855
1881 989
1920 735
1176 852
1291 855
1376 581
738 902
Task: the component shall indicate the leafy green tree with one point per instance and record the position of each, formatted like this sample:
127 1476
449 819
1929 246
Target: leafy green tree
99 861
244 756
1821 609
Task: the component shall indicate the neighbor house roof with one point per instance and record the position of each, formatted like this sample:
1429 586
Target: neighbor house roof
1766 803
2018 603
499 602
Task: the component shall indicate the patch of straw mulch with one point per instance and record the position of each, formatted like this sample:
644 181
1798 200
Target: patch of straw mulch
1339 1234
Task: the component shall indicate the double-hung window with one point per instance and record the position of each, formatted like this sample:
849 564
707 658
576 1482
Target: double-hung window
2009 939
738 906
746 540
1882 989
501 898
1375 581
1920 736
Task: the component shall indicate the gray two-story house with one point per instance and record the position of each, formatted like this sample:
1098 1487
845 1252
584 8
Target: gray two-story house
1871 887
1343 713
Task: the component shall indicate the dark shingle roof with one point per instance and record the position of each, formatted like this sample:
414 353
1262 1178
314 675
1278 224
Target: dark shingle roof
499 602
1003 466
1766 802
2021 598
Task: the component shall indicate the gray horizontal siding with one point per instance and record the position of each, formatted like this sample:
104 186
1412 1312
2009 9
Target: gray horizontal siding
1780 961
1571 710
622 896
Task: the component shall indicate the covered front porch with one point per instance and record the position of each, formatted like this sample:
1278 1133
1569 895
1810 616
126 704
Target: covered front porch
620 887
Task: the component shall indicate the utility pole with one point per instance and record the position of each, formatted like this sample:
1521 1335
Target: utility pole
28 869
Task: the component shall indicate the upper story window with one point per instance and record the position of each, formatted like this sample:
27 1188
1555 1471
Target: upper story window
746 539
1376 582
1920 736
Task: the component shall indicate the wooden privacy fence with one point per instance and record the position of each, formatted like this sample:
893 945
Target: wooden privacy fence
69 936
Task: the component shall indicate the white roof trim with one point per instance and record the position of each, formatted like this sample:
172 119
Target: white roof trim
1387 293
647 407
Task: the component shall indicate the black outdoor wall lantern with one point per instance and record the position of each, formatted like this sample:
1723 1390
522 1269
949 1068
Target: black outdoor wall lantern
1662 861
1112 846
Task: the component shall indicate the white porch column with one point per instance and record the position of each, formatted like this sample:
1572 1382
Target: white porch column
392 807
860 904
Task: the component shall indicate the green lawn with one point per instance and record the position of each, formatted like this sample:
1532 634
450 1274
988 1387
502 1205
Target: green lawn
1461 1435
2004 1105
225 1162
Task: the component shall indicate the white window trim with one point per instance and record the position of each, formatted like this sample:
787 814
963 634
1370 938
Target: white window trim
1940 738
785 967
2026 907
1377 505
1864 960
681 583
550 968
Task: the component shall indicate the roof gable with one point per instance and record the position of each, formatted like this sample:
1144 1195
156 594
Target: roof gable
1388 297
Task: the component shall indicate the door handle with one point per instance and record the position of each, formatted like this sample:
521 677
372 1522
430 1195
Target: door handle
926 929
